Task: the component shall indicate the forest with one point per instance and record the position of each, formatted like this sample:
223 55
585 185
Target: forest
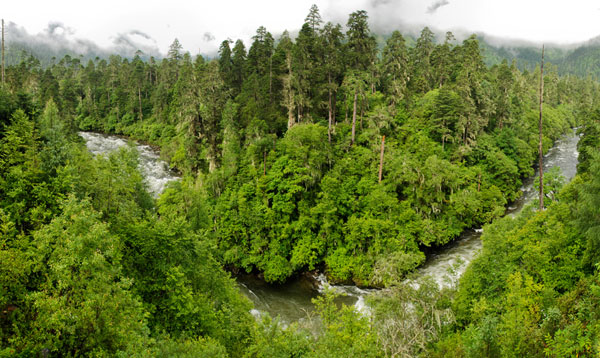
324 152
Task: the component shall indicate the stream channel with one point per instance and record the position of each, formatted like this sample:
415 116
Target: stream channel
292 300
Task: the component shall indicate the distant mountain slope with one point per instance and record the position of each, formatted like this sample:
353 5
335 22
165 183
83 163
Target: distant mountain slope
582 60
47 55
58 40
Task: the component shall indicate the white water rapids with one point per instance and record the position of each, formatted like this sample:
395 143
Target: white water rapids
156 172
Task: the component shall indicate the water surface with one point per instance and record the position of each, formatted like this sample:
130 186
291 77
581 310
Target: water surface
156 171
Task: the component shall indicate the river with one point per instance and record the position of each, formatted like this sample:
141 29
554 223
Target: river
450 262
156 172
292 300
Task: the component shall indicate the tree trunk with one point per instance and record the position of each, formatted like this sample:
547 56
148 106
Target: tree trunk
540 152
346 112
3 80
270 79
140 103
334 107
362 112
290 117
381 158
354 117
290 93
330 118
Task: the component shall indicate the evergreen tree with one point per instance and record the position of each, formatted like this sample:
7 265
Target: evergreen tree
226 63
333 68
238 65
394 68
421 80
361 44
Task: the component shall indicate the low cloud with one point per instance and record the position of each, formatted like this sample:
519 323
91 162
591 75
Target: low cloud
208 37
385 16
56 28
376 3
436 5
58 39
128 43
141 34
55 38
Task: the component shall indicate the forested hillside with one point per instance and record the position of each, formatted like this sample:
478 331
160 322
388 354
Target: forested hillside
281 142
580 60
279 147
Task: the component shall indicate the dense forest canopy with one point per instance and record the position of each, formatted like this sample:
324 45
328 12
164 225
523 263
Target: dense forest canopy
279 146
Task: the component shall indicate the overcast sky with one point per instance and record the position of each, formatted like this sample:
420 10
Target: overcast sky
201 25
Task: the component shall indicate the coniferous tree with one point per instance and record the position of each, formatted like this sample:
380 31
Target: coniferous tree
361 44
420 56
238 66
394 68
226 63
333 67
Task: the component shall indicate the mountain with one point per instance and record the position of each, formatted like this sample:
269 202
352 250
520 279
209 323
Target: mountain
46 54
58 40
581 60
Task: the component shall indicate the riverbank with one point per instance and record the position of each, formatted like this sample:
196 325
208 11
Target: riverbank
293 300
445 265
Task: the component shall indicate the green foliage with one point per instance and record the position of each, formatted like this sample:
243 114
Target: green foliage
84 305
346 332
102 274
553 181
588 214
409 316
533 290
166 347
272 340
282 199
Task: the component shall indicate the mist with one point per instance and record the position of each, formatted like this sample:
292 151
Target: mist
385 16
58 39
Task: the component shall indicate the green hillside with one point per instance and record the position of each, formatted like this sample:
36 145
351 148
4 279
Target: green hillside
581 61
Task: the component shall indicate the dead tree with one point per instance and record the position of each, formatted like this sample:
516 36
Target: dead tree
2 51
540 130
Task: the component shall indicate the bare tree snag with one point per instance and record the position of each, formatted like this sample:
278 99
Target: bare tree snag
330 118
354 117
540 130
141 116
2 51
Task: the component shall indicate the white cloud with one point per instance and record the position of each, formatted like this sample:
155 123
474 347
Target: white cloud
436 5
535 20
